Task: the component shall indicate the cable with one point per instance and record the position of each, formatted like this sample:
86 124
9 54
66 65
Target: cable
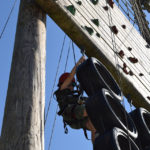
74 53
8 19
117 66
67 57
55 80
53 127
49 145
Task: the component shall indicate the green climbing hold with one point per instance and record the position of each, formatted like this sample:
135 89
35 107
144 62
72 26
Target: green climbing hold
94 1
98 35
71 8
79 3
95 21
89 29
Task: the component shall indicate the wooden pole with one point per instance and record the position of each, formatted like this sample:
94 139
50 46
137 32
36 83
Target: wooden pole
23 123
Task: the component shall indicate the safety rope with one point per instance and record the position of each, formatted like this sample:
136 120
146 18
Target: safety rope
54 122
67 56
141 20
74 56
8 19
53 127
126 4
55 79
117 66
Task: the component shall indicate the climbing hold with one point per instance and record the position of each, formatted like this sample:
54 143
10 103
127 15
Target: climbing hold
129 48
124 26
114 29
79 3
124 65
121 53
105 8
141 74
111 3
94 1
125 68
89 29
71 8
133 59
98 35
95 21
131 73
147 46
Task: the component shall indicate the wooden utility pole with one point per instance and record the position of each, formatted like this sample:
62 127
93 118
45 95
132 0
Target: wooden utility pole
23 123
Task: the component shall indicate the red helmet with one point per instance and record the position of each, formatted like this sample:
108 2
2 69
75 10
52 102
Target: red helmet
63 77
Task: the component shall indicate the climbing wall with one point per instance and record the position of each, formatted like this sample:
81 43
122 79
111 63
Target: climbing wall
100 27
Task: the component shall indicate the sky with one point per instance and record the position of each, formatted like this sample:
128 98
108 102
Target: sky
75 138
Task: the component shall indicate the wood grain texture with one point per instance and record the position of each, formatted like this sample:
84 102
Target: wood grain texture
105 48
23 123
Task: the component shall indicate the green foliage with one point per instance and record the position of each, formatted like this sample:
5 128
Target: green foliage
71 8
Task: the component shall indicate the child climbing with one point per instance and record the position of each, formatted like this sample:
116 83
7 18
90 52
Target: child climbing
71 104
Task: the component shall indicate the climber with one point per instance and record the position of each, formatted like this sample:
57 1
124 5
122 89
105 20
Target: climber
72 105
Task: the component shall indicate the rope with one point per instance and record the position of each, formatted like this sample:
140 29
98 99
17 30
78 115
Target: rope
141 20
54 122
127 126
74 56
55 79
67 56
49 145
126 4
8 19
117 66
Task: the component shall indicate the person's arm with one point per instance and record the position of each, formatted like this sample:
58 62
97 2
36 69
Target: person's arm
72 73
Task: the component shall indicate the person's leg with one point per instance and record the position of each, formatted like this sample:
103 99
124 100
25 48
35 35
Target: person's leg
90 127
80 113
